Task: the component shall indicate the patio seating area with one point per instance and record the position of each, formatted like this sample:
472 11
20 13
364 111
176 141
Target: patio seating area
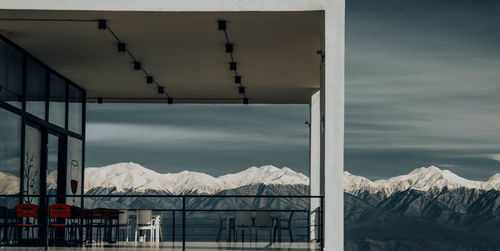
189 226
58 58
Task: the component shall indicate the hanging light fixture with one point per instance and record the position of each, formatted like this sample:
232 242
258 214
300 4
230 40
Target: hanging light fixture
137 65
222 25
232 66
149 79
245 101
229 47
101 24
100 100
237 79
161 90
241 89
121 47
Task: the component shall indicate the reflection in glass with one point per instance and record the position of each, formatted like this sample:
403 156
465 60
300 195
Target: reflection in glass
57 104
36 89
32 158
75 109
74 170
11 74
52 165
10 157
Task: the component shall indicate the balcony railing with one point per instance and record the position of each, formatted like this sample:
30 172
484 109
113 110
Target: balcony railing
131 219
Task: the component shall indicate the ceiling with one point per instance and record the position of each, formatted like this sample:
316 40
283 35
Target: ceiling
183 51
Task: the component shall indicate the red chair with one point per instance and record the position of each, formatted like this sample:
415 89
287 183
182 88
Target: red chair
58 213
28 213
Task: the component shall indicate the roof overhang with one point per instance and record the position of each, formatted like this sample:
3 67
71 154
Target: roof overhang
276 53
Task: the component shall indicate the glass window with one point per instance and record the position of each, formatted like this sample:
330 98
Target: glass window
32 164
52 166
10 153
36 88
75 107
57 104
74 170
11 75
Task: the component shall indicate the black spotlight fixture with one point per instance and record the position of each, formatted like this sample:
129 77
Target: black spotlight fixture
170 101
121 47
161 90
229 47
245 101
232 66
100 100
222 25
101 24
241 89
237 79
149 79
137 65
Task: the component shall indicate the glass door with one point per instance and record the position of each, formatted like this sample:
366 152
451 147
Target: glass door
32 199
53 143
32 165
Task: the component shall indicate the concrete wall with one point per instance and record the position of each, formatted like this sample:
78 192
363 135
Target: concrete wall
332 111
314 162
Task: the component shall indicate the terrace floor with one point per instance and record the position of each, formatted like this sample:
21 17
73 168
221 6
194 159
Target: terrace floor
198 246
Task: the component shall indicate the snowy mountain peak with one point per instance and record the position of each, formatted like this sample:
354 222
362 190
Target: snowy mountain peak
495 181
121 176
264 175
423 178
132 177
426 170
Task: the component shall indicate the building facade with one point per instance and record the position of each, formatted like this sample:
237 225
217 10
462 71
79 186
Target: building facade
42 130
289 49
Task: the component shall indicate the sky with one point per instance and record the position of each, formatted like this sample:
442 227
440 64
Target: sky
213 139
422 88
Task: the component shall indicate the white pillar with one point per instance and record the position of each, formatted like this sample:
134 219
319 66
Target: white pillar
314 163
332 123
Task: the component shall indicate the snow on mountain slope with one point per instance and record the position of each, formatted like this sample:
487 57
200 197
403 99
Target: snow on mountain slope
187 181
134 177
9 184
495 181
265 175
423 179
52 180
354 184
127 177
124 177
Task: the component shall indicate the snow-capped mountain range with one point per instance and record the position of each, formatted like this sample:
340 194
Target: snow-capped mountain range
132 177
423 179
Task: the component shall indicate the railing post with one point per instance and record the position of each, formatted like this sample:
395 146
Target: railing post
309 221
183 223
322 222
173 227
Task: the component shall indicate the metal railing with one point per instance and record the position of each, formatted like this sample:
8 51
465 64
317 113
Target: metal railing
190 218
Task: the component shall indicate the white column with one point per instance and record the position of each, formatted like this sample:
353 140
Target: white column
332 132
314 162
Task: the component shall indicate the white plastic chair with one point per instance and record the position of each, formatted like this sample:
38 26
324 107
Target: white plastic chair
157 228
123 223
144 222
